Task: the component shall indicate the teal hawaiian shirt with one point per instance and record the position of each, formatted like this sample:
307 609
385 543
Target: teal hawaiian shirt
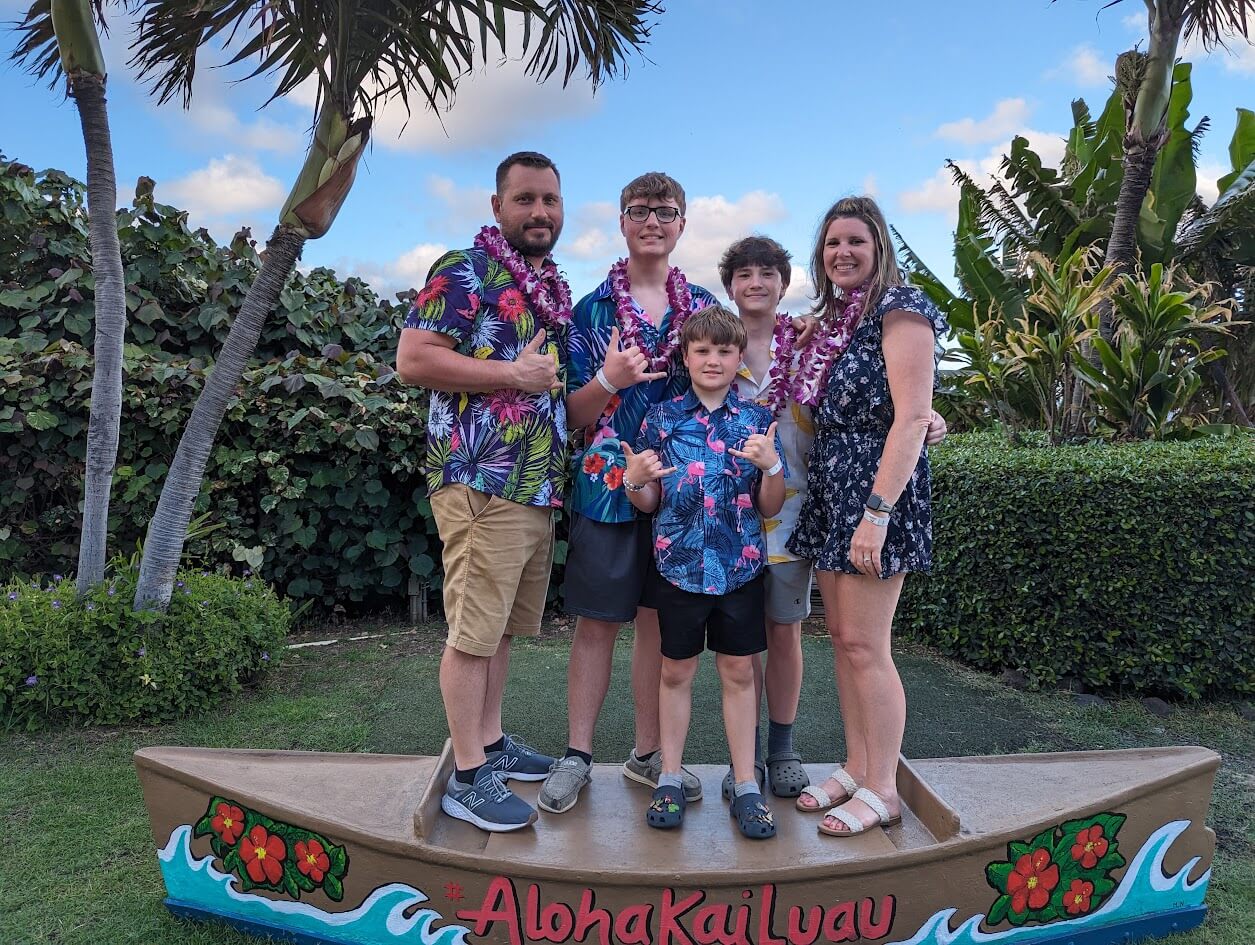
505 442
597 462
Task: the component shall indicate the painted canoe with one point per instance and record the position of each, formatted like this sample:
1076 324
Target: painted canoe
1084 847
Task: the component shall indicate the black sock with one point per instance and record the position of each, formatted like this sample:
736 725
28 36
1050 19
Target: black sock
648 756
582 755
498 745
466 775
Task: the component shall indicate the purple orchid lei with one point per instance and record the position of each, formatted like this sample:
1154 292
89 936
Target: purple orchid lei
779 390
547 291
630 323
825 346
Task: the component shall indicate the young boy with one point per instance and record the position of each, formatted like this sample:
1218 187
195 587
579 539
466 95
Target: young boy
608 555
709 464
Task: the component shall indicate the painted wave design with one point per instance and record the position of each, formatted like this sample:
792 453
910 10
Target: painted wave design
381 918
1144 890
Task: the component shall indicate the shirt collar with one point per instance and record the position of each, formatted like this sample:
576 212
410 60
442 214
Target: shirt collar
690 402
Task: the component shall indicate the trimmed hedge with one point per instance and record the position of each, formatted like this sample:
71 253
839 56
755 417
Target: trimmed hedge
94 659
1126 568
313 477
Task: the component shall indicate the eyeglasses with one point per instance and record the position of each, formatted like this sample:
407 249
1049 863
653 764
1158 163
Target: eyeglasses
639 214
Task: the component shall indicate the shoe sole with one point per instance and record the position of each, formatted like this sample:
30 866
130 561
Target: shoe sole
461 812
641 779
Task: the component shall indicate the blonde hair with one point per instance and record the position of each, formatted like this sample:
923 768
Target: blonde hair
884 274
714 324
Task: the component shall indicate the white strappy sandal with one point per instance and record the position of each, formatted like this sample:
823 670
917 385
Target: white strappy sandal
821 797
853 824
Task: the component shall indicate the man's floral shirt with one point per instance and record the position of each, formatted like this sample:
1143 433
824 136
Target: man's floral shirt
505 442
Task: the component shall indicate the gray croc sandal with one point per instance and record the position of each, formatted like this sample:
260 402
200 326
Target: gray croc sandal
760 772
786 774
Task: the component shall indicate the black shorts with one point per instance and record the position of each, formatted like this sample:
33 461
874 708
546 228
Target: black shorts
731 623
608 567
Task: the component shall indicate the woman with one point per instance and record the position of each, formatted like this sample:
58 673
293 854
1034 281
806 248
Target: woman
866 520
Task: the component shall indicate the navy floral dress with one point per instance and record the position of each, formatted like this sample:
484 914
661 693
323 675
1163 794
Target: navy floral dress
851 424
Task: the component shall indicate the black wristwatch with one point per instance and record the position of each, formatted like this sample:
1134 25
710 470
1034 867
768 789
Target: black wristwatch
877 504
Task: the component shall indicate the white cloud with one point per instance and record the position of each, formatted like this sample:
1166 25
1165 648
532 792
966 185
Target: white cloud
1240 58
459 211
869 186
714 223
405 272
1008 114
497 105
1208 173
227 187
212 118
939 193
1084 66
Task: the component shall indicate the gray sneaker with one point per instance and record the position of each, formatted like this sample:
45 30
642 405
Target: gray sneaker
648 772
518 761
562 788
487 803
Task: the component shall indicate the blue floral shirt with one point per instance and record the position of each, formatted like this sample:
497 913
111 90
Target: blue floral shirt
708 535
597 461
505 442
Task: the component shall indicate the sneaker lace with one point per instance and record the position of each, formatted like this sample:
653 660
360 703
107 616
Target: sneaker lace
494 787
518 743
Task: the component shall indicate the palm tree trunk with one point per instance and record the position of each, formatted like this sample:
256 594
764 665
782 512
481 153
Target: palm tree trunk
110 328
167 532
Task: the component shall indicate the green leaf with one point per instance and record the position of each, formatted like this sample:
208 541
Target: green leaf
367 438
333 888
998 911
996 874
41 420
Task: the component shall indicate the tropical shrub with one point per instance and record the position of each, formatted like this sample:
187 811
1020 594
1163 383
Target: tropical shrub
1125 567
1036 210
183 290
94 659
315 481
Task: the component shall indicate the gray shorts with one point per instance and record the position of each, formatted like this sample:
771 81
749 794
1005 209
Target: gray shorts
608 565
789 591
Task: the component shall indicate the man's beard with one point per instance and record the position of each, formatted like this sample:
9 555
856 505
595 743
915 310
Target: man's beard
532 240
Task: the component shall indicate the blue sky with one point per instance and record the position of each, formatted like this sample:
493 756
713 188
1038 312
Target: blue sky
765 112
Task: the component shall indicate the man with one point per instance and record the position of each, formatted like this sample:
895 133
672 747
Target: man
487 335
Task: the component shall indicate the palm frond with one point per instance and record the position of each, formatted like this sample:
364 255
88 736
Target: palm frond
1214 21
363 53
37 51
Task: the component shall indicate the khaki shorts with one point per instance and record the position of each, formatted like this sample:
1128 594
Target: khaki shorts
497 559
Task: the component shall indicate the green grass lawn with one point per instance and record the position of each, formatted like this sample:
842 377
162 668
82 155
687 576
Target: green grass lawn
78 865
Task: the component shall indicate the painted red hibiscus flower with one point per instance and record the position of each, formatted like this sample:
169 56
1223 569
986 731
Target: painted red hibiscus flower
1090 847
511 305
432 290
263 855
1076 899
1031 881
614 477
312 859
228 822
594 463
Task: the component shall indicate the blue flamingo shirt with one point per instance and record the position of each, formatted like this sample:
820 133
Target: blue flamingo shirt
708 535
